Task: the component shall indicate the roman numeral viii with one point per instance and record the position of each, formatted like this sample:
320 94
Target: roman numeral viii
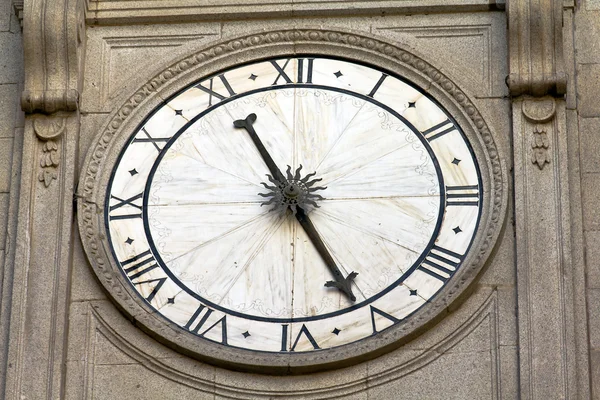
140 265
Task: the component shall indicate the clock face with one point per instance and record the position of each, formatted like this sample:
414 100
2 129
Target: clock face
293 205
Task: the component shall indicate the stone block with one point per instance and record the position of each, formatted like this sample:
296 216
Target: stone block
5 15
588 87
595 372
590 190
85 285
592 258
11 57
9 100
455 376
134 381
592 5
589 131
120 59
593 296
6 152
587 36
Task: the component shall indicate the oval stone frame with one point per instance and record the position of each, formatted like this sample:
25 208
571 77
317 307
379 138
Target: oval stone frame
102 156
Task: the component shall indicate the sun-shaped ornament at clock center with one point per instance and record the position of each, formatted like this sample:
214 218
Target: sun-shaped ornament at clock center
293 192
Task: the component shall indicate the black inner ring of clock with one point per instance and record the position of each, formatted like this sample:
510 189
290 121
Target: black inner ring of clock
293 319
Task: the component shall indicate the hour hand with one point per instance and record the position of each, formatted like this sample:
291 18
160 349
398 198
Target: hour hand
344 285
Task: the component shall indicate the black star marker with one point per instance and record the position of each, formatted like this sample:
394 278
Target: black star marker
246 334
336 331
411 104
129 240
413 292
253 77
133 172
457 230
171 300
178 112
456 161
338 74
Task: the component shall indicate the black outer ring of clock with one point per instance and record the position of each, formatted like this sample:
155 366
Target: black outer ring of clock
442 192
356 306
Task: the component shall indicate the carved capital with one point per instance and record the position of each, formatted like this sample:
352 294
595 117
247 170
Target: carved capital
53 40
535 48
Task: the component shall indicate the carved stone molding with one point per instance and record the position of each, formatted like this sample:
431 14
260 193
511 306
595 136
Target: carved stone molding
53 40
18 7
535 48
106 147
104 324
539 112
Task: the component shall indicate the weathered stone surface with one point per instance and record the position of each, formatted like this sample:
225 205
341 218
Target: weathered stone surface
588 89
594 318
587 34
592 5
592 244
134 381
590 189
589 129
11 57
9 100
4 202
6 151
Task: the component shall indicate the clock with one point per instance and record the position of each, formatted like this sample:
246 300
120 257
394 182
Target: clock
290 208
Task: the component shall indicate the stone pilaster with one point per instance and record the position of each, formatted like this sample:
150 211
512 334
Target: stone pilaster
550 361
53 33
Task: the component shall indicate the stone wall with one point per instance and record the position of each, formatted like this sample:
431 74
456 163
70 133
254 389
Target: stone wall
11 135
587 80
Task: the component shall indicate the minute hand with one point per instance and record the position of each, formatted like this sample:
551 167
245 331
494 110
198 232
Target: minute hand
341 283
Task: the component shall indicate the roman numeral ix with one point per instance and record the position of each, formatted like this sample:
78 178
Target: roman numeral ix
212 93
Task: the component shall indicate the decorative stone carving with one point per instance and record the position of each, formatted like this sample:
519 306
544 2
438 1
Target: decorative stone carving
53 30
18 7
49 130
540 146
535 48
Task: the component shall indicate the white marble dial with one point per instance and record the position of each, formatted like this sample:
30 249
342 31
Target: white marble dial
188 224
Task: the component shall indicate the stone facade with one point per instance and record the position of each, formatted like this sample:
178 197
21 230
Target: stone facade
528 327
